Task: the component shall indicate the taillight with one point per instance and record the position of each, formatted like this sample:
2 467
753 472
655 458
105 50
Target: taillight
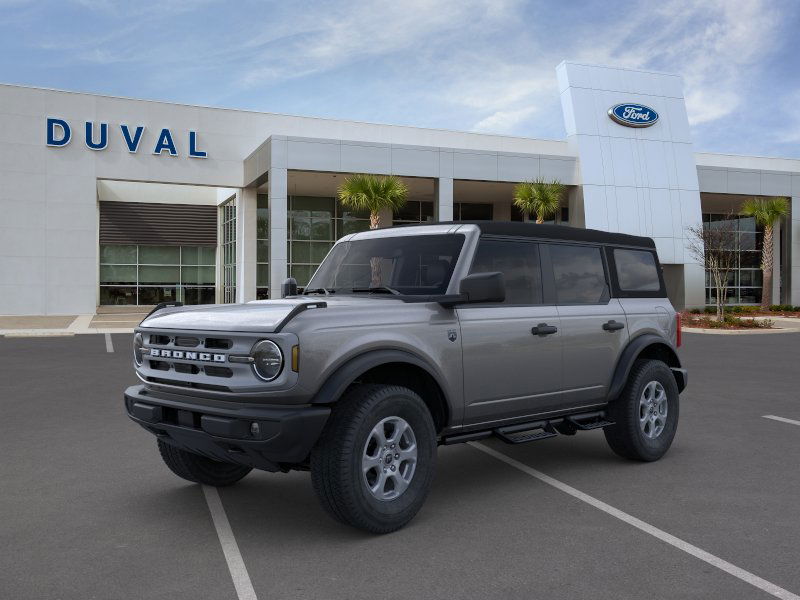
678 334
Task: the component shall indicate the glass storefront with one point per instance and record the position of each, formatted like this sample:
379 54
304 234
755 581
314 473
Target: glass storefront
152 274
262 248
413 212
745 280
228 249
468 211
315 223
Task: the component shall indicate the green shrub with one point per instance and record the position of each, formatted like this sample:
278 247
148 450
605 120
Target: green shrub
710 310
695 311
782 308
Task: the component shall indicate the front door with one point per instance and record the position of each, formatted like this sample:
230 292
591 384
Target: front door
511 350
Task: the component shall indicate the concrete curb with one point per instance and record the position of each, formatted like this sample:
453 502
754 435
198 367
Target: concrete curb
737 331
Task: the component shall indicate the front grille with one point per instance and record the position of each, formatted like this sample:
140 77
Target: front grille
218 343
188 384
214 371
187 368
190 359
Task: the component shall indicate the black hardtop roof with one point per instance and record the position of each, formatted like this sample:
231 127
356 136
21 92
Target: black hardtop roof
556 232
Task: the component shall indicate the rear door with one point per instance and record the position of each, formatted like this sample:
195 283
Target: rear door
511 350
594 328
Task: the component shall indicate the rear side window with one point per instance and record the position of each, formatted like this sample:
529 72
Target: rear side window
519 264
636 271
579 274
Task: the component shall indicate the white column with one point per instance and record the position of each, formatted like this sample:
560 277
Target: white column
793 269
443 190
278 230
245 244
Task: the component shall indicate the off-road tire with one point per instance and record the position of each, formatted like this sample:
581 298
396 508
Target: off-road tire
626 437
199 469
336 467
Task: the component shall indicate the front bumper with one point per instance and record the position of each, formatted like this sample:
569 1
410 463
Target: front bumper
284 434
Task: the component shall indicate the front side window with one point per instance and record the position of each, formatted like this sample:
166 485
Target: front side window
410 265
636 271
519 264
579 274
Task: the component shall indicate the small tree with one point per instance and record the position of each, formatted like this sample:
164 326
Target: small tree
766 211
373 193
539 197
714 246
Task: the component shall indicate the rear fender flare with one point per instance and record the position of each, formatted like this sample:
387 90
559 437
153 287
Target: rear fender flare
632 352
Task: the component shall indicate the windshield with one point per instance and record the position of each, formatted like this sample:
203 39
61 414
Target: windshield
409 265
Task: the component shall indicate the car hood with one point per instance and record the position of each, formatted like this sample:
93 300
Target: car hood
261 316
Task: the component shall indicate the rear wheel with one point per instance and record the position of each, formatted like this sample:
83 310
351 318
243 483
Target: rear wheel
645 414
199 469
374 463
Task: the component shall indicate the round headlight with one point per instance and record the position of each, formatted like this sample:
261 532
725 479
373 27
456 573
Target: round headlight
138 343
268 360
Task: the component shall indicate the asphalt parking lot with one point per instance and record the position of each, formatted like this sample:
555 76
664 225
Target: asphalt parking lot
89 511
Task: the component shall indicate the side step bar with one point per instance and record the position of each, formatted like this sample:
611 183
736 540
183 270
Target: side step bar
531 431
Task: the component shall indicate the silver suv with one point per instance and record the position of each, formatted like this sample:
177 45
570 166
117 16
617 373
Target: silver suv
408 338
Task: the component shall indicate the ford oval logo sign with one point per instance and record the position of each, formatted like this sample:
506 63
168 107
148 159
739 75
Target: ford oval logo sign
633 115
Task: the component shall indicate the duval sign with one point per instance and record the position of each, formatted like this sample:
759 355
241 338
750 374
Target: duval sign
633 115
59 134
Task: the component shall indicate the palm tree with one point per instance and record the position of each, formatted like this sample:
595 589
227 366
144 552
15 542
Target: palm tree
766 211
373 193
539 197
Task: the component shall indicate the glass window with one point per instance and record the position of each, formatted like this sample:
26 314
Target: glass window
636 270
262 247
467 211
414 211
745 278
228 249
519 264
579 274
116 274
414 265
315 223
118 255
159 255
187 274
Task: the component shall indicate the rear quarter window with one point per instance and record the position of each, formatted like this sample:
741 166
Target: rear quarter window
637 271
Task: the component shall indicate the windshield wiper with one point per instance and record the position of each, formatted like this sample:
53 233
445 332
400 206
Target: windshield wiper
378 289
320 290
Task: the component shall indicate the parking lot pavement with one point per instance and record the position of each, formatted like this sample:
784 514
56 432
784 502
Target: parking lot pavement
90 511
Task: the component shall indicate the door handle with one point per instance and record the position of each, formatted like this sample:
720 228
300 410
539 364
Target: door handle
544 329
612 325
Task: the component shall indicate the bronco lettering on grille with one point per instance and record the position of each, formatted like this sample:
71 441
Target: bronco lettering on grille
182 354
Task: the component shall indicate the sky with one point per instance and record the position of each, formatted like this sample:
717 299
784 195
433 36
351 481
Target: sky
472 65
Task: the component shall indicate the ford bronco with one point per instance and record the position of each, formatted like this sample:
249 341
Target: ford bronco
409 338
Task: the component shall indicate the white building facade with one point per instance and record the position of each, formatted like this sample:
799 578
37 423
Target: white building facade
111 201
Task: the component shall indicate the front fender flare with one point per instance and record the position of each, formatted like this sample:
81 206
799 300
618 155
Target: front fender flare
345 374
632 351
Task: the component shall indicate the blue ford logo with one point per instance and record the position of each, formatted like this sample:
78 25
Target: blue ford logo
633 115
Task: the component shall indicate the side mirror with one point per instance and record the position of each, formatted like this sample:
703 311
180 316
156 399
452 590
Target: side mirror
289 287
483 287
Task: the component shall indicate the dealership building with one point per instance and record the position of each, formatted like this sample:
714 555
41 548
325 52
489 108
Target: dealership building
113 201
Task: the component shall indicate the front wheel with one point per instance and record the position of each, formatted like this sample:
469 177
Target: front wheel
645 414
374 463
199 469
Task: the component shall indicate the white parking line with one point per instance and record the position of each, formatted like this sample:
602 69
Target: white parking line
241 580
782 419
109 343
678 543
